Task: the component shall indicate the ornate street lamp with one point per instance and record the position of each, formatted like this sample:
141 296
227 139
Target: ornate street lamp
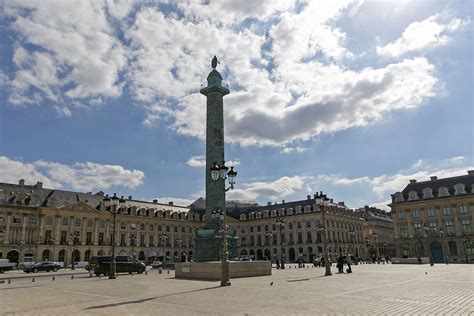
320 199
74 237
427 232
133 239
179 241
374 235
111 205
352 234
221 173
163 238
281 225
441 235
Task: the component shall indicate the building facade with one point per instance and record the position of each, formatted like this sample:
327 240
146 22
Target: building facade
44 224
434 219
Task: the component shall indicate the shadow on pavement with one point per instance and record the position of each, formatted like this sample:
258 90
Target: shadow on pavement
148 299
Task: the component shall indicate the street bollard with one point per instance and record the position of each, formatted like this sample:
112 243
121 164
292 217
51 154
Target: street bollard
146 272
72 276
54 278
33 280
9 281
160 271
168 271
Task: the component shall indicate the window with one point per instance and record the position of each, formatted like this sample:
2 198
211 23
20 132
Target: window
142 240
398 197
77 222
2 218
405 250
133 226
159 228
63 240
65 221
308 238
48 221
30 236
446 211
259 240
418 229
469 246
251 229
259 228
453 249
290 226
150 241
88 238
415 214
430 212
443 191
463 209
308 224
32 219
466 226
101 238
123 225
412 196
142 226
427 193
16 219
449 227
122 240
298 225
190 230
167 228
175 229
459 189
101 224
433 228
403 230
401 215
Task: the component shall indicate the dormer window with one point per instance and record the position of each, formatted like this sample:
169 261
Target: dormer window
243 217
398 197
443 191
459 189
412 196
427 193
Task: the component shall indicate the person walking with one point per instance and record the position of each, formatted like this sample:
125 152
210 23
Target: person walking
340 264
349 262
277 263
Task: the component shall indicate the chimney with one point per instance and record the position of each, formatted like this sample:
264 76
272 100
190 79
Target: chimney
282 201
470 172
412 181
170 203
269 203
341 203
308 197
434 178
129 197
39 185
331 200
155 201
21 182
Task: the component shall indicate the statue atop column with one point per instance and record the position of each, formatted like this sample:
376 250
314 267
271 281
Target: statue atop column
214 62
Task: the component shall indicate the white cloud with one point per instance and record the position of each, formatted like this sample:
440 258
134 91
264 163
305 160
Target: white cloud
77 54
274 190
78 176
197 161
346 181
422 34
296 149
292 83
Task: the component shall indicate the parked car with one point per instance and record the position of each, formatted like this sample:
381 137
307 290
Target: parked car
6 265
80 264
122 264
42 266
156 264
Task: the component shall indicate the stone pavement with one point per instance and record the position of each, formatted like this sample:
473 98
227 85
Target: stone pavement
370 290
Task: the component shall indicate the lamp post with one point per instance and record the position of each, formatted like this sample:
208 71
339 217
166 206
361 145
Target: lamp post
163 237
320 199
21 245
281 225
268 237
352 234
441 235
74 237
179 241
374 235
221 173
427 232
133 239
111 206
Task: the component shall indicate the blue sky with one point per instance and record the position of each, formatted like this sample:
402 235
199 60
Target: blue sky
352 98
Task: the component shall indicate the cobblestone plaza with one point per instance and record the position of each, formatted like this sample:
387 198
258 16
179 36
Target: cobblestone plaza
370 290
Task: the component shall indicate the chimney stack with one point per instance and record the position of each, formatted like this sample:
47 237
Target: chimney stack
170 203
434 178
412 181
308 197
282 201
129 197
21 182
155 201
269 203
470 172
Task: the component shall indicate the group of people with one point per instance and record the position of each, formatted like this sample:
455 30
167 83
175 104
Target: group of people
344 260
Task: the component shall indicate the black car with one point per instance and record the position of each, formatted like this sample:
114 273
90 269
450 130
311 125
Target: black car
42 266
101 265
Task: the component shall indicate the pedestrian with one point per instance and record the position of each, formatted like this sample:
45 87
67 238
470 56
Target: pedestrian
349 262
321 262
278 264
340 264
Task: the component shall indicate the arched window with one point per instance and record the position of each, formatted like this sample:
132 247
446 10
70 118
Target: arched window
405 250
459 189
427 193
412 196
443 191
453 249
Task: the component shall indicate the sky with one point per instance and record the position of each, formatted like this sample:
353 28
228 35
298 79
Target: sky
353 98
